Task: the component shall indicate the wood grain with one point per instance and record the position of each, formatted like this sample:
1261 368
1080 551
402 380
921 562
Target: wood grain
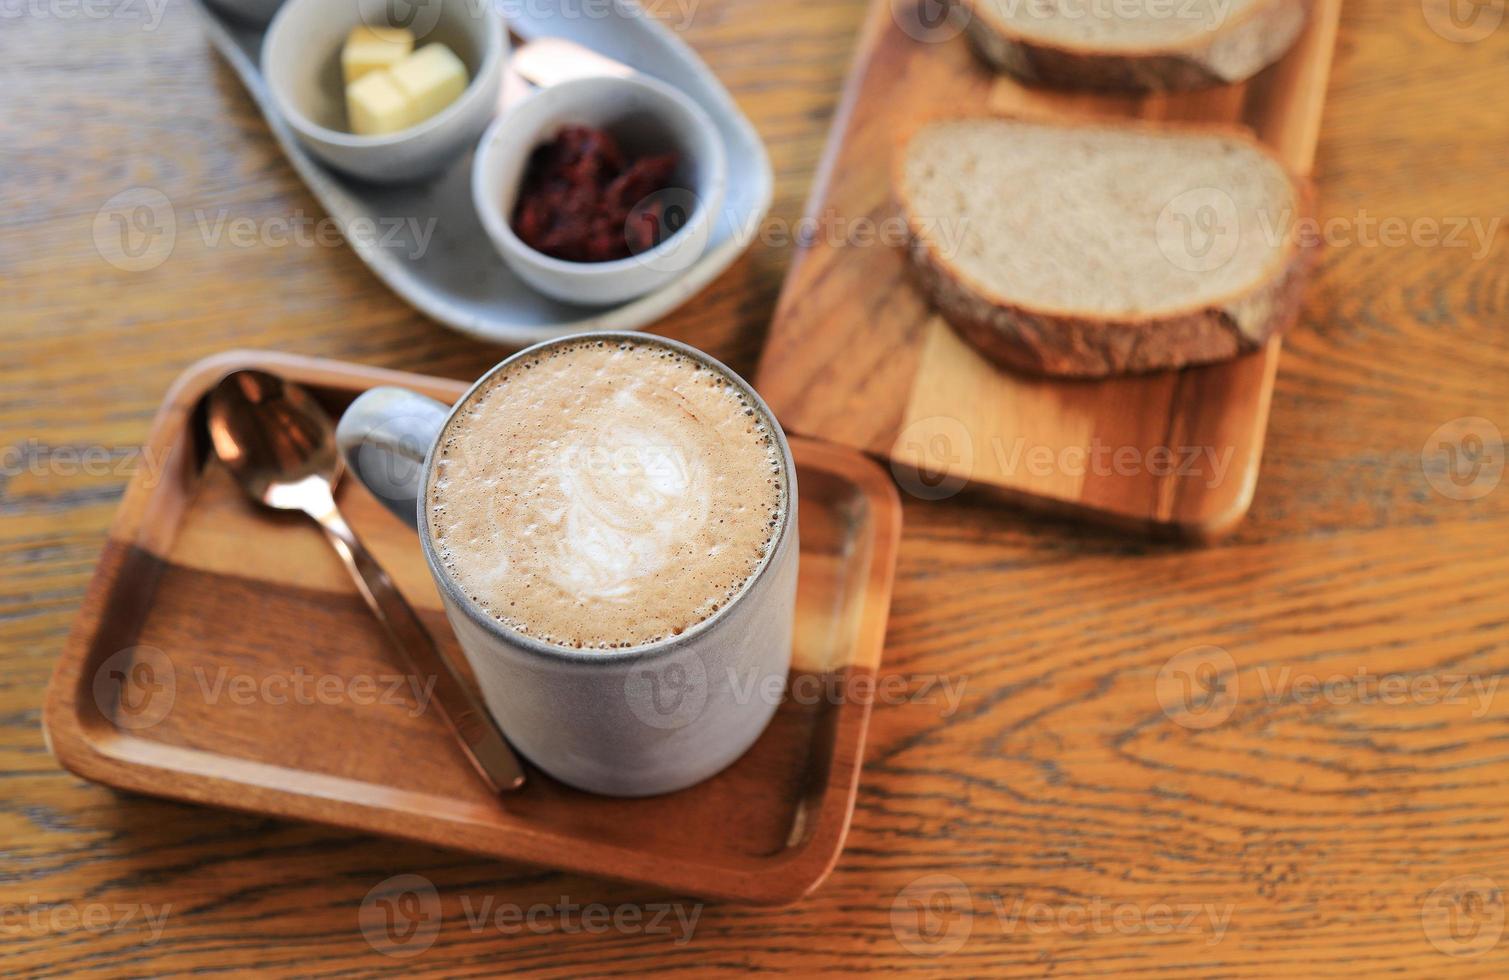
858 355
1058 779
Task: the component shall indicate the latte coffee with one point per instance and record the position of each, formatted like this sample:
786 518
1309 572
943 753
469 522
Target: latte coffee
605 493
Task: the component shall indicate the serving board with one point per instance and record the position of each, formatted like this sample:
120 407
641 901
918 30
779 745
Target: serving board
181 676
857 357
455 276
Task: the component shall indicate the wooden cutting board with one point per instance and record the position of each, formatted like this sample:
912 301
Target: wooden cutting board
857 357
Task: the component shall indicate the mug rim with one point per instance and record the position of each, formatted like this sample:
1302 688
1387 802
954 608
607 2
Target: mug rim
617 655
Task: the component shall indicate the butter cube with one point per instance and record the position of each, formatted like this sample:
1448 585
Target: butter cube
375 105
370 49
431 79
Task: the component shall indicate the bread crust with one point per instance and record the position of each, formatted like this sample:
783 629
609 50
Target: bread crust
1232 53
1077 344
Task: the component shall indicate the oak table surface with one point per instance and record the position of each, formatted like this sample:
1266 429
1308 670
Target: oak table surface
1331 801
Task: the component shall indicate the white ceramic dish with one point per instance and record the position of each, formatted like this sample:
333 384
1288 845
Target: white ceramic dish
301 67
459 279
649 116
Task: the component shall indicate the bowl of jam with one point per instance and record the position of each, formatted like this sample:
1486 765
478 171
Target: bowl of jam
598 190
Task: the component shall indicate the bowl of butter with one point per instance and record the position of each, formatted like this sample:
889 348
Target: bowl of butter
386 101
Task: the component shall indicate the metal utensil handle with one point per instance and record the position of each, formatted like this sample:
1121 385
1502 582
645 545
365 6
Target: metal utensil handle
480 737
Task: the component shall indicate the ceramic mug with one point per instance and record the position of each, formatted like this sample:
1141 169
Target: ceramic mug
626 722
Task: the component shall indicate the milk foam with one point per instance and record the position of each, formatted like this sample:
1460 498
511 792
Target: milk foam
606 494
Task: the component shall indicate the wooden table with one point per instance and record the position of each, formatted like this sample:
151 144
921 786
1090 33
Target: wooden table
1330 801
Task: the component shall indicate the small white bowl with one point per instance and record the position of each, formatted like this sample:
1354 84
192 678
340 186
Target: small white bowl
301 61
646 116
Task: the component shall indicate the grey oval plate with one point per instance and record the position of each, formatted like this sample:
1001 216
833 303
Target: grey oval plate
457 277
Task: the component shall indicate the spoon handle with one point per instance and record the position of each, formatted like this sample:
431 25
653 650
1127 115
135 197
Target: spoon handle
469 719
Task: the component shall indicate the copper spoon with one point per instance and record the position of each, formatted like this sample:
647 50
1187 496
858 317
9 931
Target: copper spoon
280 446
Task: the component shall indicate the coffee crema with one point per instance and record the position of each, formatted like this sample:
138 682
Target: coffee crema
605 494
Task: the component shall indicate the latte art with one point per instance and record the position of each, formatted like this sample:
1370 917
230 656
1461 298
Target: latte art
606 494
631 497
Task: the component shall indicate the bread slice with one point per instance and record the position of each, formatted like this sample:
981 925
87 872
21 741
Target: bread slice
1094 249
1144 45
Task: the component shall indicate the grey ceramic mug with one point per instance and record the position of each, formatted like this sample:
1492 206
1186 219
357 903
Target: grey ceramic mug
627 722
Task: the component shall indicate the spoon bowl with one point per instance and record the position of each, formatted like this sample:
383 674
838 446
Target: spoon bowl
275 439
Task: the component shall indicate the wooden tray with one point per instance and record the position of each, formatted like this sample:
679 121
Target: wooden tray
202 589
857 357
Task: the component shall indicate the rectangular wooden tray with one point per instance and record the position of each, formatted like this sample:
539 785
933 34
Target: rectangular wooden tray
221 606
856 356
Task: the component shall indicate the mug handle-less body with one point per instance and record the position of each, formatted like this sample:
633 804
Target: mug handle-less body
386 436
625 723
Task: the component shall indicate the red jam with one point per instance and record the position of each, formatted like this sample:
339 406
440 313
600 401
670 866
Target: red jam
583 201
